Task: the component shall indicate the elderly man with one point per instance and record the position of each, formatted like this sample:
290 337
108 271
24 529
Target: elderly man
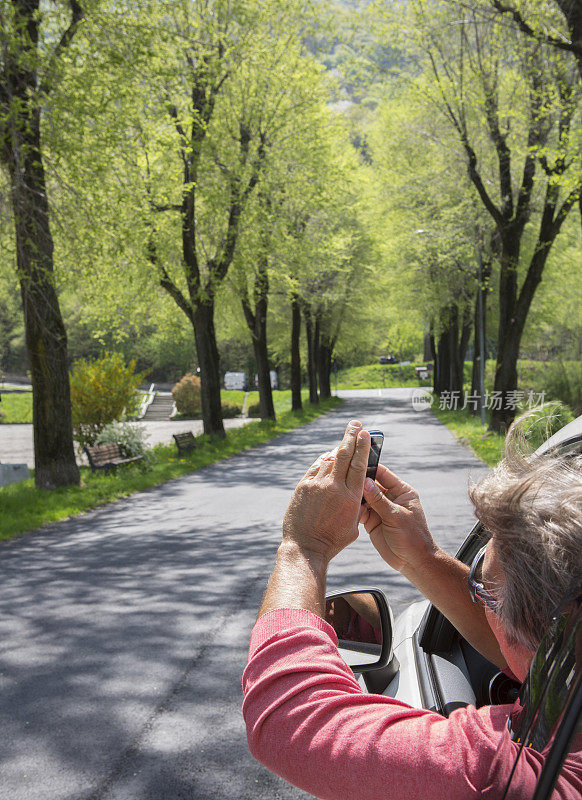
308 719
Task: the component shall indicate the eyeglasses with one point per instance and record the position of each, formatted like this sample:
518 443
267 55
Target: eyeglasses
478 592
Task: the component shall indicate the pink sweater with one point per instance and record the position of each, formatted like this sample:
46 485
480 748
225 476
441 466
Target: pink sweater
309 721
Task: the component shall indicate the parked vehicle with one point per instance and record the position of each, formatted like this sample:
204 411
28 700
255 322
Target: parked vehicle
274 380
236 380
387 360
425 662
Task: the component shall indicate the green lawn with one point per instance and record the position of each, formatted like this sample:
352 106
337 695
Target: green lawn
16 407
490 447
25 508
281 398
378 376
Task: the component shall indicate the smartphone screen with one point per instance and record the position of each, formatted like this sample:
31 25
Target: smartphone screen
377 440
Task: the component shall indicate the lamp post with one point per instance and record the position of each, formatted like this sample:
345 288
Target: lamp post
480 290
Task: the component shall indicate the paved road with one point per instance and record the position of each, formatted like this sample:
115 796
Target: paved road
16 440
123 633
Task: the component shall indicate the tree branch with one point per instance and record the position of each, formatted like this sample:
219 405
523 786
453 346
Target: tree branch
77 14
478 183
165 280
550 227
220 264
166 207
524 27
501 148
248 312
567 206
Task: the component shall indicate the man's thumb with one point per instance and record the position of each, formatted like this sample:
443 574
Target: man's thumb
376 498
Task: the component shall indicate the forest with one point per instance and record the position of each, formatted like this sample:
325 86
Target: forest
298 185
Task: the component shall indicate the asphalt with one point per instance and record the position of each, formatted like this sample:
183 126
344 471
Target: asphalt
123 633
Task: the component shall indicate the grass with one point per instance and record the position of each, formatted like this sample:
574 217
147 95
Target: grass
378 376
234 397
16 407
281 399
487 445
25 507
540 424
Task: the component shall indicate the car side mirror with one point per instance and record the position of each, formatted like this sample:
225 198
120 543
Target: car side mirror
363 623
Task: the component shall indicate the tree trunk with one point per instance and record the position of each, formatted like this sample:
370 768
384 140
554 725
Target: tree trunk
267 408
455 380
427 352
209 363
433 358
466 327
480 317
512 321
476 371
324 356
311 362
257 324
442 363
46 338
296 402
451 351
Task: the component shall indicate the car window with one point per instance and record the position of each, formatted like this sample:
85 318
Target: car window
547 716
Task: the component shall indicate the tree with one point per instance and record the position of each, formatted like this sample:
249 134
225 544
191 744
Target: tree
255 298
29 62
297 157
540 24
430 224
476 66
189 141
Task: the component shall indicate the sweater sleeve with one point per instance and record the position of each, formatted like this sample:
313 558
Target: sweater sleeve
309 721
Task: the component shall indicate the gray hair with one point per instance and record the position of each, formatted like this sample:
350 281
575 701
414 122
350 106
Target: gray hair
532 507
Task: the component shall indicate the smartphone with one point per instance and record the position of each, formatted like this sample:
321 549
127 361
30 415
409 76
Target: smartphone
377 440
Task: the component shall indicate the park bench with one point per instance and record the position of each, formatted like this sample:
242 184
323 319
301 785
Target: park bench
184 442
107 456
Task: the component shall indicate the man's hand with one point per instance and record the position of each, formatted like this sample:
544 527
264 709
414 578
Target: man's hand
321 519
323 514
396 523
397 526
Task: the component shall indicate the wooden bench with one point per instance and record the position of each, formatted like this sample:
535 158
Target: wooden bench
107 456
185 442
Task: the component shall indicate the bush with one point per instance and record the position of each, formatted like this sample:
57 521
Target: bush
132 439
542 422
254 410
563 381
102 390
230 410
187 396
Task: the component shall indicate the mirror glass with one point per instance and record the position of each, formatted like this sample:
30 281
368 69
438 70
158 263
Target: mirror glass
356 620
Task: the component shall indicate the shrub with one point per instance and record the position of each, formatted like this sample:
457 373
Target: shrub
187 396
230 410
131 438
254 410
563 381
542 422
102 390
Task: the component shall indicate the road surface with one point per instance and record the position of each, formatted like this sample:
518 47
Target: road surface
124 632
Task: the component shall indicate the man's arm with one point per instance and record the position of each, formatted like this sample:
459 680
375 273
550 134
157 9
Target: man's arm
321 519
397 527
